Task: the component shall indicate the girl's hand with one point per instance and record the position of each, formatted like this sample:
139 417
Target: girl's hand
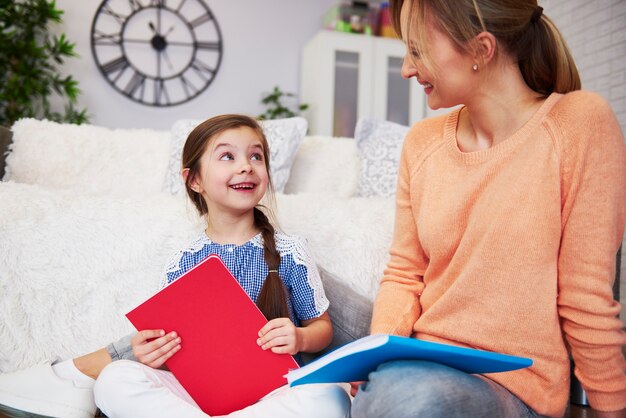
281 336
154 353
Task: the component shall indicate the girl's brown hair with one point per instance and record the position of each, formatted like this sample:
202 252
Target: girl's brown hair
272 300
521 30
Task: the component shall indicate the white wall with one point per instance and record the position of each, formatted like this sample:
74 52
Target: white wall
262 42
596 34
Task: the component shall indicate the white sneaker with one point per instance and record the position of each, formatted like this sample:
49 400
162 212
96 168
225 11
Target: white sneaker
39 390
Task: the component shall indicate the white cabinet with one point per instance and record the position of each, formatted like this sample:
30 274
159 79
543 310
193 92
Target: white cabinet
347 76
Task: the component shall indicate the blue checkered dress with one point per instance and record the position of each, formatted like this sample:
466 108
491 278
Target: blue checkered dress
247 263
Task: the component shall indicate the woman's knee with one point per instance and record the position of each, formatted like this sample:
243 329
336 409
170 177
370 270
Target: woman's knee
407 388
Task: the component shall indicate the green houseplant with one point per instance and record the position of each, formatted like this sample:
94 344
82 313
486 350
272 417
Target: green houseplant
276 108
29 58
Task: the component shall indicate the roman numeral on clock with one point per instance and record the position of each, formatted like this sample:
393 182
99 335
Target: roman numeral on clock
201 19
113 66
135 83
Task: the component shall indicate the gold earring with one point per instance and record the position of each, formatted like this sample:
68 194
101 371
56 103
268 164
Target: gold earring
475 67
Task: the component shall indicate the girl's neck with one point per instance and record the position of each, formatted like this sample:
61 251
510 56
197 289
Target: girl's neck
226 229
501 106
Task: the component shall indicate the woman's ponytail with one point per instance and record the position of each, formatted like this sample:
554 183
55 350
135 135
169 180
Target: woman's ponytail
272 300
545 62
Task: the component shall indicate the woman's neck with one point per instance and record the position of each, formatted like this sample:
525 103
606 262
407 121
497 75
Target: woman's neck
503 103
228 229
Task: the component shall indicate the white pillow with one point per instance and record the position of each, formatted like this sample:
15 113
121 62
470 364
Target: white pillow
91 159
325 164
379 144
283 135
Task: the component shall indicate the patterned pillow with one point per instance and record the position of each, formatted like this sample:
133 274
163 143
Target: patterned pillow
283 135
379 144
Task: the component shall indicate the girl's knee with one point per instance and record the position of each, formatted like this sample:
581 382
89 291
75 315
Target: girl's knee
115 373
327 400
109 386
336 401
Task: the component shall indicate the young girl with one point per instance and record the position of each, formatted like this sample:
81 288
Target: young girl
509 214
226 173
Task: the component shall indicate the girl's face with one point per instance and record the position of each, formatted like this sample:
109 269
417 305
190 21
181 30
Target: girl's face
452 80
233 176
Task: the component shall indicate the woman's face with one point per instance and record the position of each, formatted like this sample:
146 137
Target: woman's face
452 80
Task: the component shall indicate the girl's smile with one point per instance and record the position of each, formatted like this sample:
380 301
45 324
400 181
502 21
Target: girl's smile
243 186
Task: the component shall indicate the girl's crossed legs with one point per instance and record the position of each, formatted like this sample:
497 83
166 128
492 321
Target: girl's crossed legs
127 388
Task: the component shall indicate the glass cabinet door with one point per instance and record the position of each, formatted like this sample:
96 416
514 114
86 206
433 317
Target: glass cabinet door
395 98
336 74
398 98
346 95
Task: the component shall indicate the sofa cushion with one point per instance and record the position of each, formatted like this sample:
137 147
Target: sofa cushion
283 135
351 312
87 158
348 237
327 165
72 265
379 144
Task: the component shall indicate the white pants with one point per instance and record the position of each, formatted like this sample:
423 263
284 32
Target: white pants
131 389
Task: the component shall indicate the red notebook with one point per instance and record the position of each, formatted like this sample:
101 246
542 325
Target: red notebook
220 363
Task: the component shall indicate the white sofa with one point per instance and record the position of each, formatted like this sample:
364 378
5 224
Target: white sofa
86 227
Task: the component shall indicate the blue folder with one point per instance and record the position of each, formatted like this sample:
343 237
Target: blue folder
353 362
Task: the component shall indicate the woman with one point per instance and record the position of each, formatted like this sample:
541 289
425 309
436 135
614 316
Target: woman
510 211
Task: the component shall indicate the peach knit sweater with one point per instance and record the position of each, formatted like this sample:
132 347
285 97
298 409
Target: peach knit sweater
512 249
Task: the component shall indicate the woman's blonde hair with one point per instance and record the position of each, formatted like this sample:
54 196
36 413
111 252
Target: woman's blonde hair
272 299
520 27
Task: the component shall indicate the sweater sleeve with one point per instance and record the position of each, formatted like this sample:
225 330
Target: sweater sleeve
593 180
397 305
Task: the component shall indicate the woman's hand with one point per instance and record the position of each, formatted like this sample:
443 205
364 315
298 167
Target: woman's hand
154 353
354 387
281 336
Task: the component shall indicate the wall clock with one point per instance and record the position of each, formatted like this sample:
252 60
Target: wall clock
157 52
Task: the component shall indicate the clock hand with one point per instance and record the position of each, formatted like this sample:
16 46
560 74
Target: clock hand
156 32
158 64
168 32
158 42
167 59
159 19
